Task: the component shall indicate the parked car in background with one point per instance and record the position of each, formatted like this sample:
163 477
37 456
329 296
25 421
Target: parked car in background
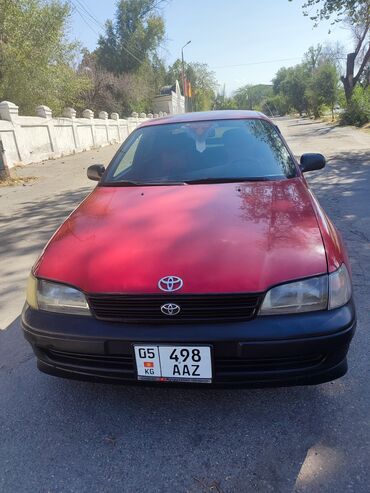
202 257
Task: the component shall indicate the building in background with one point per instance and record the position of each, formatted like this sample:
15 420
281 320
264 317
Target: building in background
170 100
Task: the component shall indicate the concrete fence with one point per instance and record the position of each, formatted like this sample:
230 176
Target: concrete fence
29 139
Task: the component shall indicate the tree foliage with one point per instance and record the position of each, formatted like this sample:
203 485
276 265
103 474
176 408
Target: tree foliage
36 61
325 85
311 85
358 61
132 38
121 93
357 111
120 71
202 80
357 14
125 70
323 89
223 102
292 84
251 97
275 105
326 9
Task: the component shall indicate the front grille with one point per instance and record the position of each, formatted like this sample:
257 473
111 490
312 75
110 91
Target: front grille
231 369
120 364
238 368
194 308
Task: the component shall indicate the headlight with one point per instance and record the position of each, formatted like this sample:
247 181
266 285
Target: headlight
340 287
54 297
296 297
317 293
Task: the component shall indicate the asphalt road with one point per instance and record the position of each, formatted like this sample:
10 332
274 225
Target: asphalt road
63 436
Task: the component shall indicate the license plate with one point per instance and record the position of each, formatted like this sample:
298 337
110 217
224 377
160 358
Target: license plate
174 363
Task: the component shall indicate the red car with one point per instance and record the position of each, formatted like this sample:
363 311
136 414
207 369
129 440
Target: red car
201 257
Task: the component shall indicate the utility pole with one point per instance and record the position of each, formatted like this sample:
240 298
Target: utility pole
183 71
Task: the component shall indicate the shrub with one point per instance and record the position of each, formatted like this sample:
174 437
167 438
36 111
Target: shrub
358 109
275 105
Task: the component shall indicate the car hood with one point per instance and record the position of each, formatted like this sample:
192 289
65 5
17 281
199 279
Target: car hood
219 238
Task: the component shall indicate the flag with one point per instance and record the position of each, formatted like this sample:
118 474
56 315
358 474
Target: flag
185 88
189 89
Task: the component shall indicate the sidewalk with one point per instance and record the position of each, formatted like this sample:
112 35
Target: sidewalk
30 213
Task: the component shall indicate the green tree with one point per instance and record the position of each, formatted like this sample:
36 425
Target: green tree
309 86
313 58
357 15
325 9
222 102
132 38
125 70
322 67
203 83
277 81
36 61
251 97
357 111
292 83
121 93
275 105
325 85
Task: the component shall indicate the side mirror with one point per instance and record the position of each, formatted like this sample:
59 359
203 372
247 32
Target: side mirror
95 172
310 162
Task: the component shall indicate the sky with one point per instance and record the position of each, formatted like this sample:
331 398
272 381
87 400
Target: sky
242 41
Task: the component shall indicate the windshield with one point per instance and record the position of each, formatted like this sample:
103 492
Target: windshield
196 152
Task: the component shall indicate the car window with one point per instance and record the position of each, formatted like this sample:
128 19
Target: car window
128 157
221 150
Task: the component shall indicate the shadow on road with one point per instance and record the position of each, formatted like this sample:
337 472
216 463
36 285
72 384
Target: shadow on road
323 130
35 222
343 189
303 123
14 349
23 236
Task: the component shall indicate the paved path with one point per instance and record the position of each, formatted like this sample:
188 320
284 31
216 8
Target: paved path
63 436
30 214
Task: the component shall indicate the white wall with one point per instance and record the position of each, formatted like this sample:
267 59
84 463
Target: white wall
29 139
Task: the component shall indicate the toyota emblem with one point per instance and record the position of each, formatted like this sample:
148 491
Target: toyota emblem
170 283
170 309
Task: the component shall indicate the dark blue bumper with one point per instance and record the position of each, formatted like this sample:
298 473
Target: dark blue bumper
301 349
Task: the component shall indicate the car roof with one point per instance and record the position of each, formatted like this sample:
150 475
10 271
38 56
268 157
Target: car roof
201 116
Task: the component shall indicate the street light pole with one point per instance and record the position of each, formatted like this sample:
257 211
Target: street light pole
183 71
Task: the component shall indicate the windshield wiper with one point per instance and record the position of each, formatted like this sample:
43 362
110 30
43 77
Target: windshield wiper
131 183
228 180
196 181
121 183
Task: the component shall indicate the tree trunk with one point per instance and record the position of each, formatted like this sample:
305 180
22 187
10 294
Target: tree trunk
4 170
348 79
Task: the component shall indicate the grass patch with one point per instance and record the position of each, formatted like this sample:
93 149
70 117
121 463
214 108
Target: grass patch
12 181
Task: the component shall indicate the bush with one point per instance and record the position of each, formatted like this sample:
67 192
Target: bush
358 110
275 105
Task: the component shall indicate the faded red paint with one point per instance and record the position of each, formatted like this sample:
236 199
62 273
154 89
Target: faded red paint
217 237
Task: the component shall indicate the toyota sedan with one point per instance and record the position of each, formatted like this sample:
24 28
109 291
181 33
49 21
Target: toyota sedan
202 257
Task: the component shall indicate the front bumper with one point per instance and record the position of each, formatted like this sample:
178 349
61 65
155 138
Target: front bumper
301 349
